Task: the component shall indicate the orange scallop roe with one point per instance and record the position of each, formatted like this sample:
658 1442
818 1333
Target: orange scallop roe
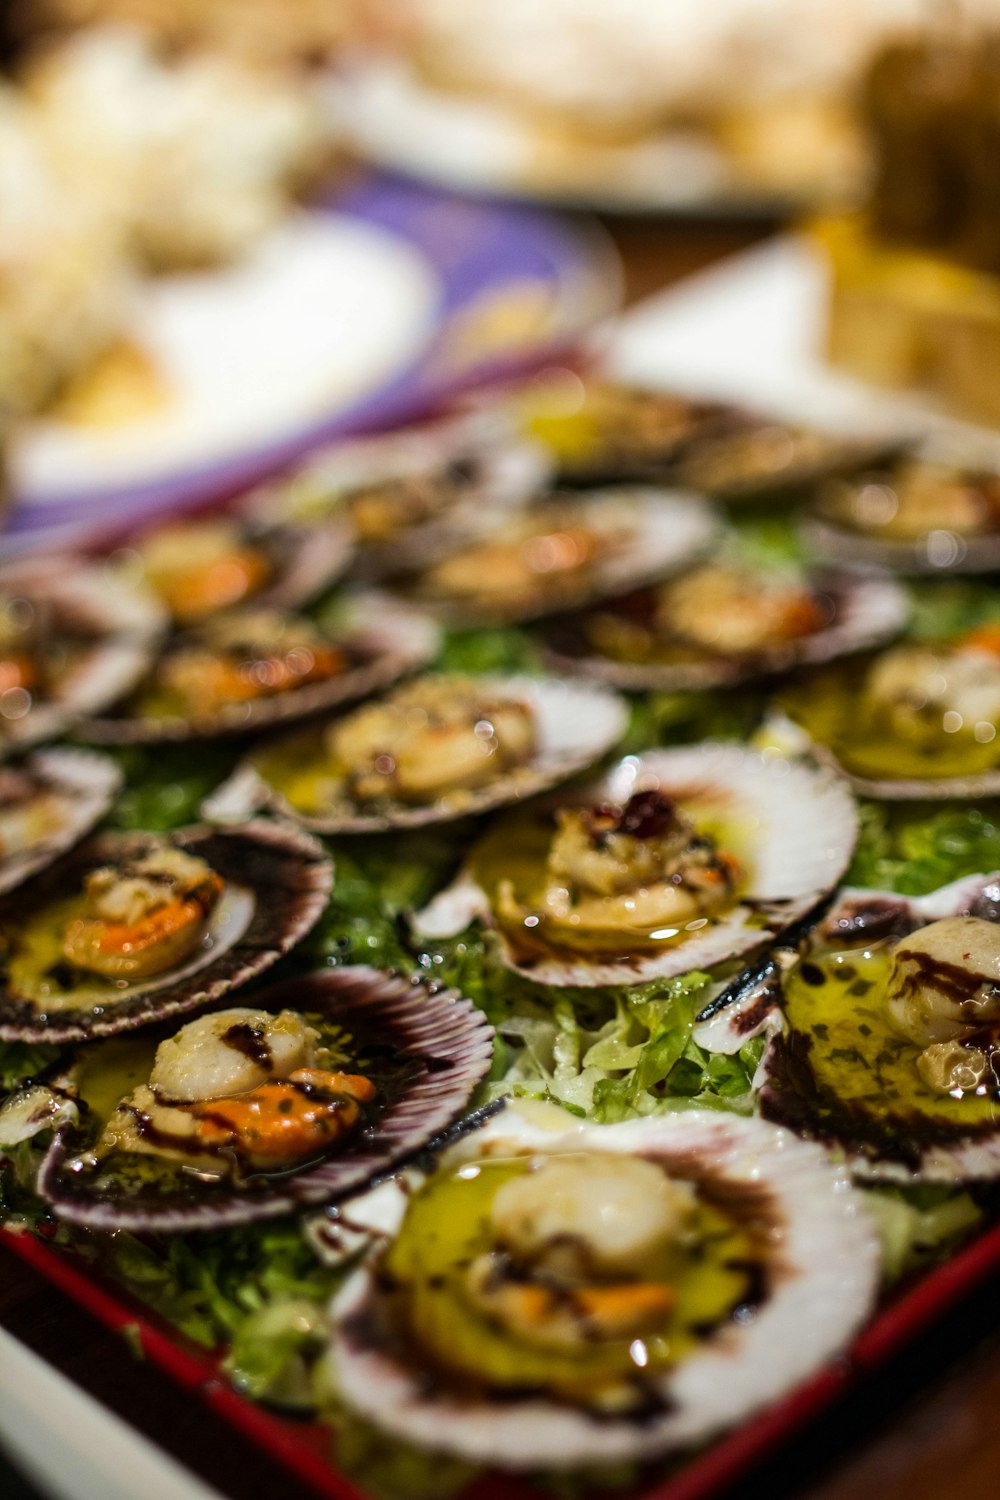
17 672
154 943
208 682
218 584
287 1119
984 638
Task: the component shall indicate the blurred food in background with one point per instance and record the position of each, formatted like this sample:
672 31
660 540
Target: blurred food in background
650 102
916 288
270 31
114 162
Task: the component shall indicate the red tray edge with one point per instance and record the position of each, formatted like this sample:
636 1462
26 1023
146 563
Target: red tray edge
727 1460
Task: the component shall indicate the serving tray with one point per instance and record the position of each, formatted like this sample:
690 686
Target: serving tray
304 1448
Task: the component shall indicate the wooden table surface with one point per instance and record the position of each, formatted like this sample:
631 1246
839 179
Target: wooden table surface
925 1427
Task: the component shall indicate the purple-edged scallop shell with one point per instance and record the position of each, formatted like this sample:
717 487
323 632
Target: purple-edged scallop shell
299 561
752 1000
575 724
816 1279
94 631
566 551
881 1114
860 614
430 1046
380 637
442 482
791 829
953 524
276 884
47 804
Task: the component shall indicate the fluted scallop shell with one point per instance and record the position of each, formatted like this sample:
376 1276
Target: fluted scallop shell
651 534
576 724
445 1040
507 472
80 787
867 613
820 1281
875 1150
682 422
385 637
115 622
795 459
892 789
278 880
799 826
938 552
305 560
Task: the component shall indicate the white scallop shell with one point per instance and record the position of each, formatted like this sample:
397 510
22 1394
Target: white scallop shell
800 825
662 532
119 620
870 611
576 724
83 786
795 740
823 1278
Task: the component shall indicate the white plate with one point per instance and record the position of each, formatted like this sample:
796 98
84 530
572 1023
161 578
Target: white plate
319 314
72 1447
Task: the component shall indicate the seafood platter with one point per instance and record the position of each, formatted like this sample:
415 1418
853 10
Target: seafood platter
500 935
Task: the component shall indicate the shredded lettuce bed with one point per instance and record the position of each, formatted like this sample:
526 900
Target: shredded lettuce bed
258 1292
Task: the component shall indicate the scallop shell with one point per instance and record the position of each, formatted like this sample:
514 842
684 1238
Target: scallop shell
507 472
782 1079
692 418
278 880
797 740
306 559
661 532
801 823
117 622
448 1041
868 612
82 786
387 637
576 723
802 466
938 552
821 1280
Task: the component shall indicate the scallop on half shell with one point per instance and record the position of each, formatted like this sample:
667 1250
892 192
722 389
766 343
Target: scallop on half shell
602 432
884 1033
675 860
130 927
923 516
74 638
557 1294
299 1097
917 721
412 496
249 670
198 565
724 624
47 804
440 748
763 458
564 552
